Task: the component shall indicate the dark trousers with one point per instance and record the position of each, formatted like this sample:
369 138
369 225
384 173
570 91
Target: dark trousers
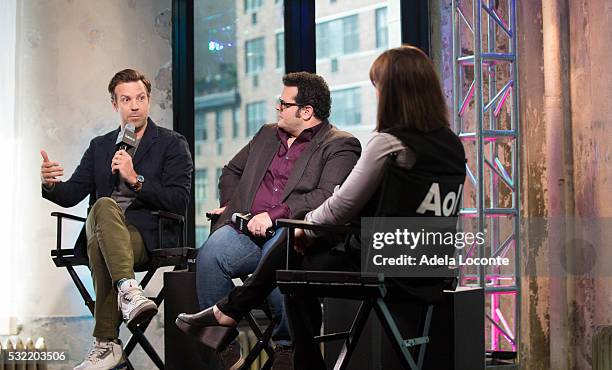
304 312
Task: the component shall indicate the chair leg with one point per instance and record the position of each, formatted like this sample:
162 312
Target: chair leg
387 322
147 278
138 336
89 302
263 343
131 343
353 336
428 316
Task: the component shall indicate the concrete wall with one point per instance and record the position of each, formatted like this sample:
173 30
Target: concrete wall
66 53
558 328
564 89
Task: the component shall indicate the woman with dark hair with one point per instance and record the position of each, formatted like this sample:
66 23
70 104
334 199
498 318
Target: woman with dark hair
413 150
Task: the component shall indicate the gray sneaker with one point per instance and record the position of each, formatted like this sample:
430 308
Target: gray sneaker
104 355
134 306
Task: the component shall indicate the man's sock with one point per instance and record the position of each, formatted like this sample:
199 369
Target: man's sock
120 282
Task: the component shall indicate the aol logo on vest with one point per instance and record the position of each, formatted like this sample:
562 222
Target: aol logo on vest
432 201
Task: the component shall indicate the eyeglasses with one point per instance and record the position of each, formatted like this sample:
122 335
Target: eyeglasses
284 105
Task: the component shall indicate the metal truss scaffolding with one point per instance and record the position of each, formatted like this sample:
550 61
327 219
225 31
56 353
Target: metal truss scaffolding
486 117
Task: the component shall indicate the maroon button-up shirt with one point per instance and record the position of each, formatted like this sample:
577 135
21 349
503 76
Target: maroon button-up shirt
269 195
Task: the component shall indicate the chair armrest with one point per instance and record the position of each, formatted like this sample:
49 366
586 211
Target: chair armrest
307 225
212 217
61 215
165 215
301 224
168 215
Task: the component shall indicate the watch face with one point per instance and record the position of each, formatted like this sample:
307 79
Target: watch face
140 178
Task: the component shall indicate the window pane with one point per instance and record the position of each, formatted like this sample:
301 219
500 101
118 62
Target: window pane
201 188
349 36
280 50
235 65
255 117
218 175
382 37
346 108
332 47
235 122
219 130
201 134
254 54
252 5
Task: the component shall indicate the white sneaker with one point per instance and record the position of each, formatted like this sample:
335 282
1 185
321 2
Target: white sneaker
104 355
134 306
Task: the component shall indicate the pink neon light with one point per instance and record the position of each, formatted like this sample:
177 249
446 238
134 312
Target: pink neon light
505 325
494 330
467 100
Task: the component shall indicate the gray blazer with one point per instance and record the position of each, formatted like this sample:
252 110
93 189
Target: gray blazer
325 163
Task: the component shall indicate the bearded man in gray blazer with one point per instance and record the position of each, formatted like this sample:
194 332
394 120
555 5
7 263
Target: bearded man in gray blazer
286 170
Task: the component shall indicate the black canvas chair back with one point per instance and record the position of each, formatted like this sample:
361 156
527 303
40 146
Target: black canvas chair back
176 256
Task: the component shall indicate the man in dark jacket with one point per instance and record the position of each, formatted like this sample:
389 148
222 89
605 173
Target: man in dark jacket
286 170
154 173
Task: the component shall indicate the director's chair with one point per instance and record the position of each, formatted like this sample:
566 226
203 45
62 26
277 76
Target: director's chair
371 289
160 257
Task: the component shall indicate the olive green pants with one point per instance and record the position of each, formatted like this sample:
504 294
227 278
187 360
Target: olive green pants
114 247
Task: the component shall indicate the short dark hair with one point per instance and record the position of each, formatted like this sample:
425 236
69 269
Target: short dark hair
312 90
409 91
128 75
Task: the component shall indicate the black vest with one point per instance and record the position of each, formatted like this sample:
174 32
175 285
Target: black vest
432 187
429 193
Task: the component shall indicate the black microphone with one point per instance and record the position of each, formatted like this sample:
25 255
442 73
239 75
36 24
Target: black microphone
241 221
125 141
127 137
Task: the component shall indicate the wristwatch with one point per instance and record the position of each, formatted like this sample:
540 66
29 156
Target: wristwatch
138 185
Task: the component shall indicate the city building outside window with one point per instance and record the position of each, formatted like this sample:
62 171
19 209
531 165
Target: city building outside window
231 68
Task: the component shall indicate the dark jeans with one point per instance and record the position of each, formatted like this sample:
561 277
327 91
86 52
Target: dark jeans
304 312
